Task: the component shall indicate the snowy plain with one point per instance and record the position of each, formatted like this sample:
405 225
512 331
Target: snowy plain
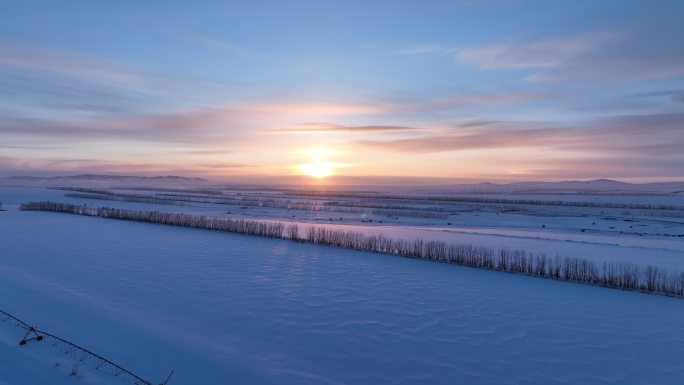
600 234
225 308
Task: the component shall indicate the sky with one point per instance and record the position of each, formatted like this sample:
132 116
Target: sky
488 90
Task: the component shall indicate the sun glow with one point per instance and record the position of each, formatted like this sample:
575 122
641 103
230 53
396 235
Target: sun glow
319 165
318 169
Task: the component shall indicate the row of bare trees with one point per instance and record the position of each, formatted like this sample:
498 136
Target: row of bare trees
83 190
240 226
379 197
486 200
623 276
134 199
181 199
615 275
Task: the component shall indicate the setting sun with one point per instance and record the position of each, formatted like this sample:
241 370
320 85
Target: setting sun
318 169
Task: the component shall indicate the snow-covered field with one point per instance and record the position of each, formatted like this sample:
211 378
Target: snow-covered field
225 308
597 233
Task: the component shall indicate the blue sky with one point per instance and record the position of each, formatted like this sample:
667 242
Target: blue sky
463 89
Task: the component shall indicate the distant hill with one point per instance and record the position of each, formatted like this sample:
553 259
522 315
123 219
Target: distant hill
597 186
395 184
443 185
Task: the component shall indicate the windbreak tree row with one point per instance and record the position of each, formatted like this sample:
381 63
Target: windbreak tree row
623 276
140 199
240 226
487 200
187 199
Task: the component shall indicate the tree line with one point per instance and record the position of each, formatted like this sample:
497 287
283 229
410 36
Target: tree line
481 200
134 199
180 199
625 276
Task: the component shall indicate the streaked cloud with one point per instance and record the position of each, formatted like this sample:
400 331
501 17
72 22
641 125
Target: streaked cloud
493 99
28 89
323 127
470 140
674 95
598 57
68 63
322 109
200 125
48 166
616 67
545 53
624 134
190 127
424 49
225 165
623 167
212 42
65 76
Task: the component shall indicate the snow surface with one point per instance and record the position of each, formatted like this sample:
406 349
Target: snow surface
224 308
613 235
594 233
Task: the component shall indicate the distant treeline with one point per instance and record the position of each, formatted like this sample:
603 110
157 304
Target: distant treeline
623 276
151 189
83 190
312 205
479 200
460 192
379 197
183 199
307 205
139 199
387 206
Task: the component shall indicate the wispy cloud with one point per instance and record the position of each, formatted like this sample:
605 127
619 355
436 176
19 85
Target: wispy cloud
611 67
424 49
323 127
469 140
493 99
64 78
68 63
595 168
598 57
322 109
60 166
18 166
225 165
621 134
545 53
674 95
27 89
198 125
212 42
